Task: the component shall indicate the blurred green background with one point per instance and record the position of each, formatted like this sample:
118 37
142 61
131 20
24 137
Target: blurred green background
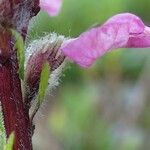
105 107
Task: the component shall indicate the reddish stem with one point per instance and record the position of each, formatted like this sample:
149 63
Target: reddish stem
11 96
14 112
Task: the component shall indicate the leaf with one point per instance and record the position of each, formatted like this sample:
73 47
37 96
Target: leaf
10 142
2 132
42 87
43 82
19 46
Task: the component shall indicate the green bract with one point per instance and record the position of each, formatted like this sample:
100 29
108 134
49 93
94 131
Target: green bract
19 46
10 141
43 82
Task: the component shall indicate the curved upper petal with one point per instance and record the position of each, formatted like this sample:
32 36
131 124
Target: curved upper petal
122 30
140 41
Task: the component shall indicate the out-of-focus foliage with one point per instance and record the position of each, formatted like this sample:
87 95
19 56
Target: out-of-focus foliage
76 123
107 106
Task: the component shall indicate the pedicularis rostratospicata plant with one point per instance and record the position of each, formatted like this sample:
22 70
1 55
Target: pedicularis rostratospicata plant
26 71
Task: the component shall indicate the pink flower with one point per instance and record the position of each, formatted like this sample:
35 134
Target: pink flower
121 31
52 7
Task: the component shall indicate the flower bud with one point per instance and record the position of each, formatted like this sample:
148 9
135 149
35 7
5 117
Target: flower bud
38 52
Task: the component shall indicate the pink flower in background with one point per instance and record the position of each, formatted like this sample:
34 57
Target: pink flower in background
121 31
52 7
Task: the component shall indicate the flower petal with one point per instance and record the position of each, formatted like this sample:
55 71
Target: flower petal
141 40
52 7
120 31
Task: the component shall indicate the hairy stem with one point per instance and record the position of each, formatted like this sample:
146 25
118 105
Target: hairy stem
11 95
14 14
